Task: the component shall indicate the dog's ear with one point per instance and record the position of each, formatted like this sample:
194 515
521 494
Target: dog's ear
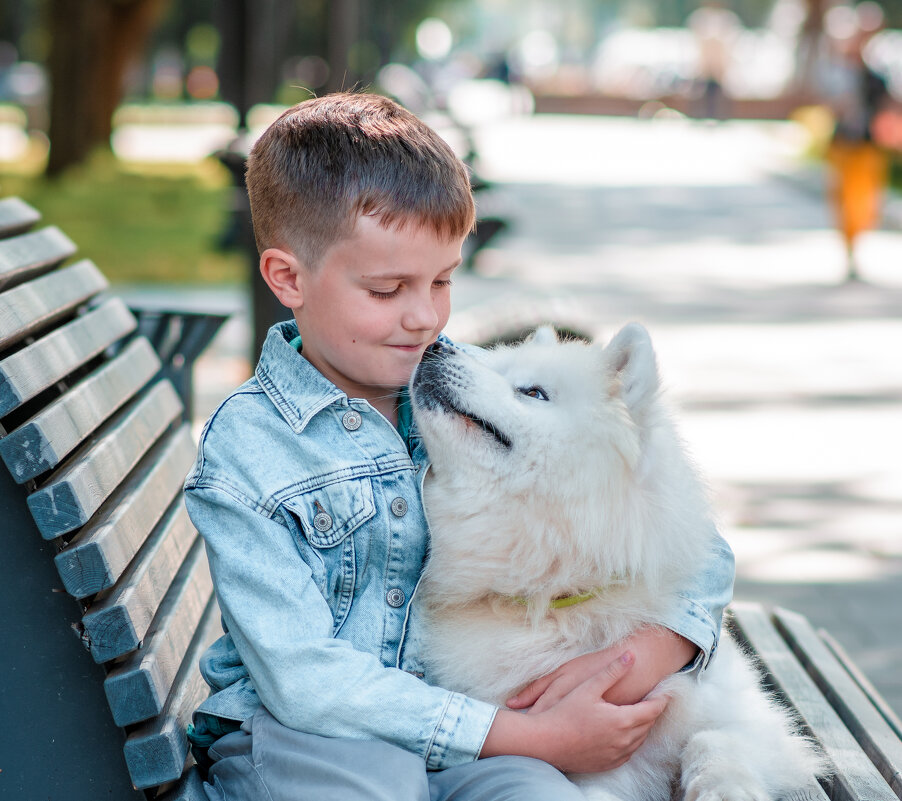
543 335
630 360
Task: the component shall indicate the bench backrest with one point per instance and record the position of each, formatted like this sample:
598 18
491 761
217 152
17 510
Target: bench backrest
103 576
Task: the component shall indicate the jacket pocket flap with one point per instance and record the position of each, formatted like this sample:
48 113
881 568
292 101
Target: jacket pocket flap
328 514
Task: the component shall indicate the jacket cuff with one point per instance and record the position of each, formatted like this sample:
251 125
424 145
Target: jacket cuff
461 732
692 621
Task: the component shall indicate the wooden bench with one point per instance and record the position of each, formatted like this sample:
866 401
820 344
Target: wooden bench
837 705
105 583
103 579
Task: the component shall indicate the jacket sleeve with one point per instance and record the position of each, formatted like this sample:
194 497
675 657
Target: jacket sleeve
698 611
310 681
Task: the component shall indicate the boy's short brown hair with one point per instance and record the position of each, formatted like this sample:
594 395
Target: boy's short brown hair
326 161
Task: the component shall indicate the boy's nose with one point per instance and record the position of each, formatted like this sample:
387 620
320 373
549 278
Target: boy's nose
421 317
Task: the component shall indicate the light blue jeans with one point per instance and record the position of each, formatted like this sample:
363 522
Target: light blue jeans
266 761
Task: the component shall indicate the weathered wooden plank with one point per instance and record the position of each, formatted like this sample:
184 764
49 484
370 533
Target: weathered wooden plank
864 721
156 751
189 788
42 442
137 689
855 778
76 491
36 304
891 718
33 254
97 556
34 368
116 624
16 216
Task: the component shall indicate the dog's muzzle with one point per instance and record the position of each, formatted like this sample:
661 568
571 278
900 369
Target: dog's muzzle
436 385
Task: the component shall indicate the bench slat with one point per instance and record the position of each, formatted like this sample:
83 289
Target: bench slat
16 216
118 623
33 305
67 501
96 558
862 718
189 788
39 365
156 751
891 718
32 254
42 442
856 778
137 689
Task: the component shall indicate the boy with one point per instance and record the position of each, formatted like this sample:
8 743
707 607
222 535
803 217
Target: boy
307 493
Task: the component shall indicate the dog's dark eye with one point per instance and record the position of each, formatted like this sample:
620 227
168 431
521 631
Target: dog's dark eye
534 392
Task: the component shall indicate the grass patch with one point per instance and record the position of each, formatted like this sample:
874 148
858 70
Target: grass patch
140 225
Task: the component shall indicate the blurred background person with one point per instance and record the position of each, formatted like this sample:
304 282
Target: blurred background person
715 30
856 95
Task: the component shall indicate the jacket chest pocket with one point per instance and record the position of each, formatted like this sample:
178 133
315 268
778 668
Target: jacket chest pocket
324 520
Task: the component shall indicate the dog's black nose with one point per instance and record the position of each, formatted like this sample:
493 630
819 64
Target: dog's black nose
438 348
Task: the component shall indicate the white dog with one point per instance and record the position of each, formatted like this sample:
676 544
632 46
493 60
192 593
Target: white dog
564 512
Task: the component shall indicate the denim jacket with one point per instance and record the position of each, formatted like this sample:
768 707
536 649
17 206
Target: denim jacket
309 503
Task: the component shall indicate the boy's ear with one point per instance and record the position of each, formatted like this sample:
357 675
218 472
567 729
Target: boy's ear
281 271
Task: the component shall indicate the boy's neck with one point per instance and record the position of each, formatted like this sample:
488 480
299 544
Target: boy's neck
386 404
388 407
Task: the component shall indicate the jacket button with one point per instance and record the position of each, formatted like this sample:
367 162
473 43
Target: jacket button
395 597
351 420
399 507
322 521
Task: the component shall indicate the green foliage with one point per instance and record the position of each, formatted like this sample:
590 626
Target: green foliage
157 226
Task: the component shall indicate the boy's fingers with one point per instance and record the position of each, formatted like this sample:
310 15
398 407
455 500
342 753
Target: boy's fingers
612 673
651 708
531 693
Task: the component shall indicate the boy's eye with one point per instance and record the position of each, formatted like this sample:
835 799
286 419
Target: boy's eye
533 392
384 295
442 283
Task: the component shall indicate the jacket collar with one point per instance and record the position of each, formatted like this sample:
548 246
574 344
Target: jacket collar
296 388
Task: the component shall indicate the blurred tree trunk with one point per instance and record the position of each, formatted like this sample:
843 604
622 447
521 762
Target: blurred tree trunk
93 42
254 38
344 30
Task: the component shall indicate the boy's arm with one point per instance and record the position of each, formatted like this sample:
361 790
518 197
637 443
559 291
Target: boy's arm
687 634
308 679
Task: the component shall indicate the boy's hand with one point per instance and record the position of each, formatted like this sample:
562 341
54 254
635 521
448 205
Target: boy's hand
659 653
581 732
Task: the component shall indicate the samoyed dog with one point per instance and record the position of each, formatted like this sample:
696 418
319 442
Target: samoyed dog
564 513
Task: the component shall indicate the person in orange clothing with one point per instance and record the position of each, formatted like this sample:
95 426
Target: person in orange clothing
857 95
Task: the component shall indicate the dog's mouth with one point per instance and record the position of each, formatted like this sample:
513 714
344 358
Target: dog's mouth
500 437
440 399
431 392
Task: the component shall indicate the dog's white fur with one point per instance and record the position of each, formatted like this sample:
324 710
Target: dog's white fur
556 471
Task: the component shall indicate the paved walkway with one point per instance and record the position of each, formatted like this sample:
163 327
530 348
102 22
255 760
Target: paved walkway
789 381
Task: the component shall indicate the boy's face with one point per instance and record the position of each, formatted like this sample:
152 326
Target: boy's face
376 301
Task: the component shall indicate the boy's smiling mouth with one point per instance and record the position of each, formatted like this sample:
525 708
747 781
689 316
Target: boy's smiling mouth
410 348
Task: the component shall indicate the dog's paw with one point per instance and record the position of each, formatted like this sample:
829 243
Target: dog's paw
724 786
